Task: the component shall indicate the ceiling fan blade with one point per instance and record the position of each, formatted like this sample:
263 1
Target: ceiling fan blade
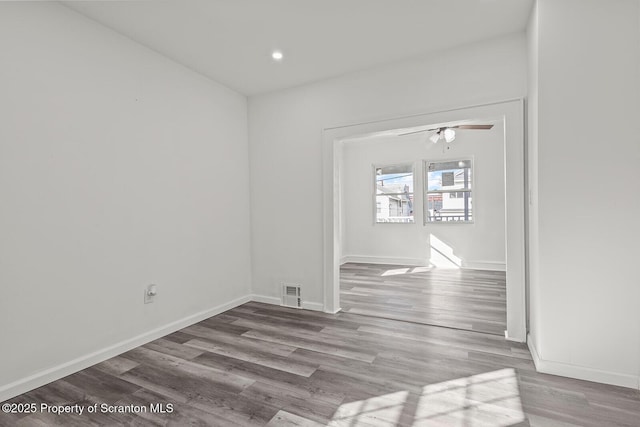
473 127
485 127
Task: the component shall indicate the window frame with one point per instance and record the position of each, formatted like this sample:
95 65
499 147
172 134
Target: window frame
374 181
426 192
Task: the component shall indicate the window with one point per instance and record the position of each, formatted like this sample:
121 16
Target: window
394 193
448 196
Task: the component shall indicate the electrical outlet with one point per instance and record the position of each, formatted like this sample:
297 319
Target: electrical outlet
150 294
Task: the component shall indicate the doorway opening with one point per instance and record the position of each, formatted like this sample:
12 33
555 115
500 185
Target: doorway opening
454 218
429 246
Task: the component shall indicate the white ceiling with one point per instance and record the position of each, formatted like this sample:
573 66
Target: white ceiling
231 40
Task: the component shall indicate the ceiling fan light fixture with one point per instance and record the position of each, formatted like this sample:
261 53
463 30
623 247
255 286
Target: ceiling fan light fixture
435 137
449 134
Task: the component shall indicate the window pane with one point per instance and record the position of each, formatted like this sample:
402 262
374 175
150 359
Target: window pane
394 208
394 179
443 176
449 196
394 193
454 206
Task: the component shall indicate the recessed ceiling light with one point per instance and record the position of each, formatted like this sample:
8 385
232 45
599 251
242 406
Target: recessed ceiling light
277 55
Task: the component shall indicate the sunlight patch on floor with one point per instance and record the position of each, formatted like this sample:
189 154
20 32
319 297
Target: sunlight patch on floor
395 271
398 271
487 399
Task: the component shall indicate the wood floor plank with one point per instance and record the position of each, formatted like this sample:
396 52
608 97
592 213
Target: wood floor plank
461 299
180 351
306 389
252 366
243 341
287 419
344 350
116 365
260 358
314 410
156 364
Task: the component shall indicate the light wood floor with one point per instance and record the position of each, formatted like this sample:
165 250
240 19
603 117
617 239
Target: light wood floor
464 299
259 364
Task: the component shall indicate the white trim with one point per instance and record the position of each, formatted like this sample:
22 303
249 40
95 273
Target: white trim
266 300
508 338
533 351
314 306
306 305
580 372
421 262
512 112
56 372
484 265
409 115
367 259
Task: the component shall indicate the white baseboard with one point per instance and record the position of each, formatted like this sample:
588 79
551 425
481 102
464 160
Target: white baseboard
484 265
366 259
54 373
315 306
508 338
266 299
421 262
581 372
306 305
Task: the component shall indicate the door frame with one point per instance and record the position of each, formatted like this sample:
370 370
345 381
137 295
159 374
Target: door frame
512 114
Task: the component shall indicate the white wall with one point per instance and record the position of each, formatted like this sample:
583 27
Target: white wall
118 168
285 136
585 316
480 244
534 306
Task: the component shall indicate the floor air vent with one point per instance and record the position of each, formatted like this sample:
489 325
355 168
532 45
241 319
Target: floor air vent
291 295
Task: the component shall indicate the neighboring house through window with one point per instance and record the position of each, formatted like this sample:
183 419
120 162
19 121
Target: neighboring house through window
394 193
449 191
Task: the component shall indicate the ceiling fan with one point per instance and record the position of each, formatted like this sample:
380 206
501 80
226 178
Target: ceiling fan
447 132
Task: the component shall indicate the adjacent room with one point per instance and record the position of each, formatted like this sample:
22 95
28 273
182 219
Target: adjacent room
319 213
424 226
